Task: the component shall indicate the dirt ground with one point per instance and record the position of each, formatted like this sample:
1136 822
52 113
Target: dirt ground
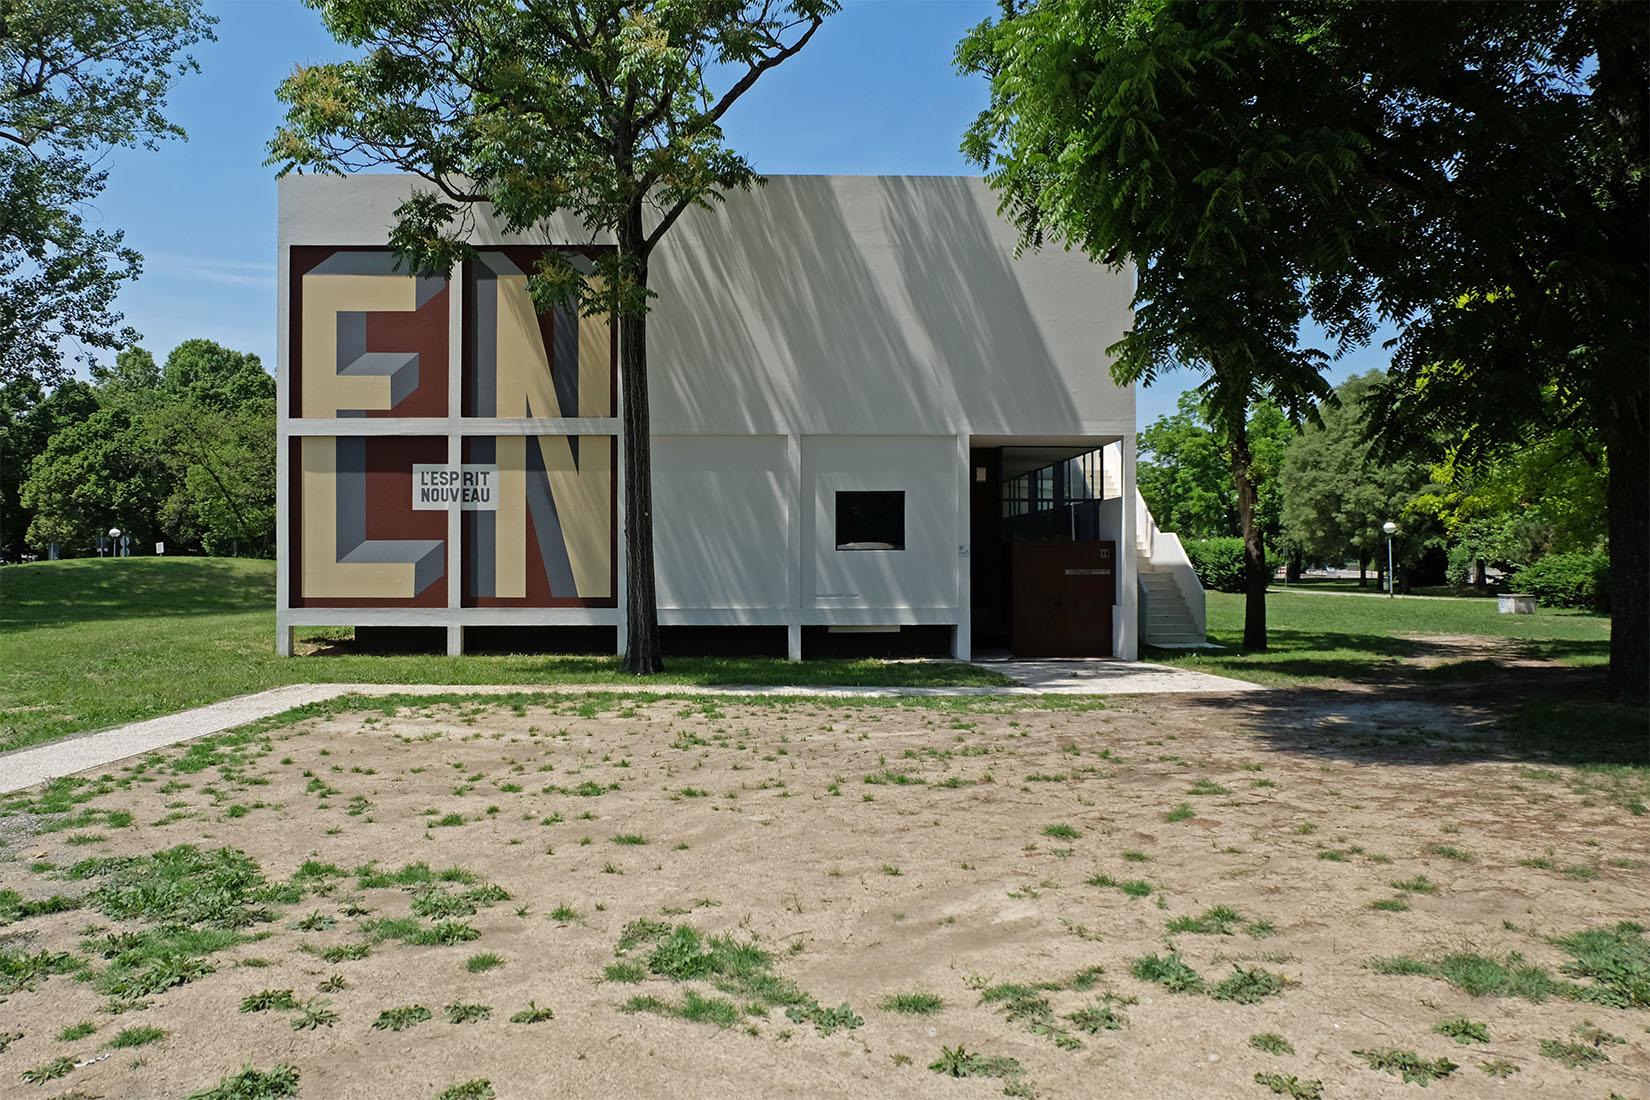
948 848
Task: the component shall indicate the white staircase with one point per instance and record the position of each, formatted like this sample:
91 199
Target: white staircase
1168 621
1172 612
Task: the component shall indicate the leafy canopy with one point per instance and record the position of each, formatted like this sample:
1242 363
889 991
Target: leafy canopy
598 109
76 78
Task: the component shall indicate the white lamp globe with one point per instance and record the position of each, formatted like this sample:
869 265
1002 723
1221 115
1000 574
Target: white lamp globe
1389 527
114 532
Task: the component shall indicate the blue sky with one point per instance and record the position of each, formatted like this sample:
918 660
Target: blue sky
874 92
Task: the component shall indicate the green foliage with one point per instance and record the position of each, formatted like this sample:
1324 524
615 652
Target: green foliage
1579 580
178 886
77 1031
1337 494
1247 987
1097 1017
83 76
185 456
1615 960
1406 1063
402 1018
1333 155
1185 475
913 1004
825 1020
460 1013
1272 1043
1169 971
532 1014
1574 1055
268 1000
1216 921
1463 1030
280 1083
479 1089
1220 562
958 1062
50 1071
142 1035
1291 1086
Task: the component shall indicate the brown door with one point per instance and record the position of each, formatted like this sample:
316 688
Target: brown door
1063 598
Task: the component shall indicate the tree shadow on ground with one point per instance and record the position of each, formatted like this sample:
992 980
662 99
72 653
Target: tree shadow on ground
1538 716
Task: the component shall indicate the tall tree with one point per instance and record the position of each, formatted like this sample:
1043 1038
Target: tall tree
29 418
1115 127
1185 476
606 109
1474 173
1337 494
1506 148
206 373
76 77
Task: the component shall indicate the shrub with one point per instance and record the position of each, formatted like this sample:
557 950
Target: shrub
1568 580
1219 562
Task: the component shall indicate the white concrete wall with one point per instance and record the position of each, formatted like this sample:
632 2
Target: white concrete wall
922 577
723 508
818 334
836 305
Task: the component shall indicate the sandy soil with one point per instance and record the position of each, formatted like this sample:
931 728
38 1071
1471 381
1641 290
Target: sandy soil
759 821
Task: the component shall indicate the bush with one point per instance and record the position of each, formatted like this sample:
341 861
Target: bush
1219 562
1568 580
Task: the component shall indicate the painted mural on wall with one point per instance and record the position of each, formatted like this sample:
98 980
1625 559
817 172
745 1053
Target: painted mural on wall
370 512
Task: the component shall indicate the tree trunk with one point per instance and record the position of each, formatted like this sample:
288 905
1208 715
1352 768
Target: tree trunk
1254 554
1296 568
1627 499
1479 579
1363 572
641 656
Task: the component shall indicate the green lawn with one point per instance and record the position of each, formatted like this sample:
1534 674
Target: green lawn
1313 636
92 643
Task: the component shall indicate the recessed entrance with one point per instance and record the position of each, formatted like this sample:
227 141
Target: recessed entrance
1044 533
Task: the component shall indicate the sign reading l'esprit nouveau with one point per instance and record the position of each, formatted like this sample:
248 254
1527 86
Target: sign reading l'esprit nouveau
473 488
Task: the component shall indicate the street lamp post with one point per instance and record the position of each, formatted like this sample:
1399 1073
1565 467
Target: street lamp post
1390 528
114 542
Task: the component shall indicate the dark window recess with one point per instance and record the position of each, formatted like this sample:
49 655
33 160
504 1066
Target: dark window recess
870 521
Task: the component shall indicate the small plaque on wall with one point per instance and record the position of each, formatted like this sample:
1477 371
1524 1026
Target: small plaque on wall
474 488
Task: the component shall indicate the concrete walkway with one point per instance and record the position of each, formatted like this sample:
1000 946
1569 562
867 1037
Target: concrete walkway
25 767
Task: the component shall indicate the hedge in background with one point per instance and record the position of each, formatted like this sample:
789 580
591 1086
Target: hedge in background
1568 580
1219 562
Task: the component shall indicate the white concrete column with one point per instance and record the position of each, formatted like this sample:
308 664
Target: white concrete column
962 636
283 433
1125 622
793 505
621 557
455 456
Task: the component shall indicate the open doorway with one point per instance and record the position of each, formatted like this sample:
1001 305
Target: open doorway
1044 536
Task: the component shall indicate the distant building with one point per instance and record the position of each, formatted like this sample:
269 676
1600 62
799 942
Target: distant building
873 425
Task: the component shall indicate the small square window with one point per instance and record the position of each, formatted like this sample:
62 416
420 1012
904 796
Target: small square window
870 521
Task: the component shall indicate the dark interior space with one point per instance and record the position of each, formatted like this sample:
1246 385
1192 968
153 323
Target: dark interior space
400 639
908 641
584 641
723 641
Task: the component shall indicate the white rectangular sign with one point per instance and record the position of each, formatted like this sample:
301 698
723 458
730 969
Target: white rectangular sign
472 488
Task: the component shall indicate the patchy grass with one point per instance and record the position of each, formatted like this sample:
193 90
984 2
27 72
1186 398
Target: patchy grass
1408 1065
167 634
758 914
1313 637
